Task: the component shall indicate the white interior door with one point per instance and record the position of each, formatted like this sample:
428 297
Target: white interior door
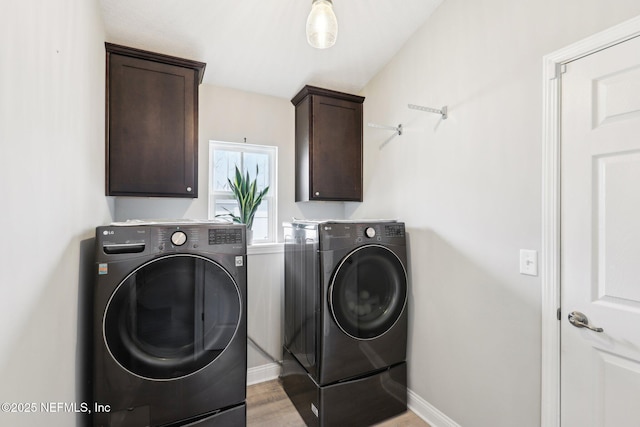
600 238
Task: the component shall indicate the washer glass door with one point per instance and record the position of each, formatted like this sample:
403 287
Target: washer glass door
368 292
172 316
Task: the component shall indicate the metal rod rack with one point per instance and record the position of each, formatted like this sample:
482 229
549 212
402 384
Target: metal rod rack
443 111
397 129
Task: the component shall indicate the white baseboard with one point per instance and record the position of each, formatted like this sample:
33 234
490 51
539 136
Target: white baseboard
263 373
428 412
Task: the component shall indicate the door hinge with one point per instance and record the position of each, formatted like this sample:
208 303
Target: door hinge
560 70
559 314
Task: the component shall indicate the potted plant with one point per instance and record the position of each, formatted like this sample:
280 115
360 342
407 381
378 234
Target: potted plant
249 198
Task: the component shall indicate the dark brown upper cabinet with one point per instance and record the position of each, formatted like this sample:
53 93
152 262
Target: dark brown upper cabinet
152 123
328 145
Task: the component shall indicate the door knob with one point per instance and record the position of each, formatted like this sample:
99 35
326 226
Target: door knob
579 320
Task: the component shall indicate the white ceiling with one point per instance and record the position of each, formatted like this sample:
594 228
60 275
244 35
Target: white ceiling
260 45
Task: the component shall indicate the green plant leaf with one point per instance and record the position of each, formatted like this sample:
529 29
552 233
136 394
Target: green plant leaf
247 195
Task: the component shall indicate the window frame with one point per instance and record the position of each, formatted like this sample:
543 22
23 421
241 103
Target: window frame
271 197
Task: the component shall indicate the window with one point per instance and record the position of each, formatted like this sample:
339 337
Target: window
223 159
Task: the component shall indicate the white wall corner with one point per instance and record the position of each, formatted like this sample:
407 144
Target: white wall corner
428 412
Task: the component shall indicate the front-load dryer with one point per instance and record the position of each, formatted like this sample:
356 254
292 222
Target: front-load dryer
170 324
346 294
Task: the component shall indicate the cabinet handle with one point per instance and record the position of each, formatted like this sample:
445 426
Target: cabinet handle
317 193
189 189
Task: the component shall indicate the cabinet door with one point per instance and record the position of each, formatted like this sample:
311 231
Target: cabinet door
336 149
152 128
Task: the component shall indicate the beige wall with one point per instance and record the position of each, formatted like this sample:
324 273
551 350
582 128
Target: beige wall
52 196
469 190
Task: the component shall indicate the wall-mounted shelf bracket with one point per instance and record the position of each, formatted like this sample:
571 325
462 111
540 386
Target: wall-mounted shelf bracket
397 129
443 111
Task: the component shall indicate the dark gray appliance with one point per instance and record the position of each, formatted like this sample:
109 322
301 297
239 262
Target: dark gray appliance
170 324
345 321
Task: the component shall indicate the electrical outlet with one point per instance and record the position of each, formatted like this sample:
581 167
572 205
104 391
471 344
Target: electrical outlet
528 262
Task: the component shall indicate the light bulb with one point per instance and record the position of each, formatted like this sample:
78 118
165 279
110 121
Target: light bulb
322 25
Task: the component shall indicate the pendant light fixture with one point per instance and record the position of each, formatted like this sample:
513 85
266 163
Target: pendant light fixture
322 25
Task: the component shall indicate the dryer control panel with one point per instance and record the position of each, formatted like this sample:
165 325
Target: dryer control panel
336 235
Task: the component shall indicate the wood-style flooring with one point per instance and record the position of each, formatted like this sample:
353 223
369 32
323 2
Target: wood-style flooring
269 406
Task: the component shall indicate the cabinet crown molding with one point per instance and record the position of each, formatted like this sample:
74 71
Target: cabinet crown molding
313 90
199 67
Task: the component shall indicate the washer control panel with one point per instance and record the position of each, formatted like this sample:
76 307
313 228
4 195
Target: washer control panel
124 240
394 230
225 236
179 238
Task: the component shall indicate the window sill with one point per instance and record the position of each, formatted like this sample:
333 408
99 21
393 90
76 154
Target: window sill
265 248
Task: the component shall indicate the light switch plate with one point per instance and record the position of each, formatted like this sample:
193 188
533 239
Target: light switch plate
528 262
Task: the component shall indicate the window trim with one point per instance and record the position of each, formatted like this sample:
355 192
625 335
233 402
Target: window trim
270 197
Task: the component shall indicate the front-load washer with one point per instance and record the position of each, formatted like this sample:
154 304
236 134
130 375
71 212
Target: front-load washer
169 334
346 293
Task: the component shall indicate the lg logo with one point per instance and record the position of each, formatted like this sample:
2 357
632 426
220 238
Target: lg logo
108 232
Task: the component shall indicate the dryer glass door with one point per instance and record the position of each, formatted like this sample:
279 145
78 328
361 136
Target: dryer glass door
172 316
368 292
